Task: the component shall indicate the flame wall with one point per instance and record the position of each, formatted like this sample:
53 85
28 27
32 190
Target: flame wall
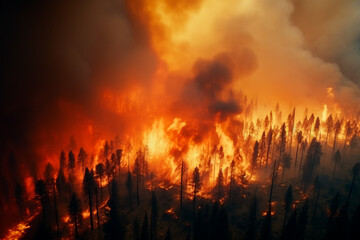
92 70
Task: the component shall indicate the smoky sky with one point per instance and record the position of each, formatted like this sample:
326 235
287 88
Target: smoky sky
61 55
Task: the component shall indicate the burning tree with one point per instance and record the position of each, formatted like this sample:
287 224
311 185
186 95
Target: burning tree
299 139
89 187
40 193
113 228
82 158
337 159
312 160
74 210
196 181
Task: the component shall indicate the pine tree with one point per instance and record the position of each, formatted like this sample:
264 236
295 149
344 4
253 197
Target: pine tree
303 220
299 138
329 126
254 157
196 181
317 127
119 154
251 231
89 189
282 141
82 158
145 228
154 215
113 228
137 172
19 194
71 167
40 193
232 178
100 169
285 163
287 204
269 141
168 234
220 185
355 172
337 159
136 229
337 129
74 210
262 148
129 187
312 161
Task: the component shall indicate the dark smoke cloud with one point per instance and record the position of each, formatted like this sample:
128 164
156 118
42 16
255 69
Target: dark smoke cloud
209 91
57 57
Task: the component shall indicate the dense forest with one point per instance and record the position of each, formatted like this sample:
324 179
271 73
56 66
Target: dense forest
301 181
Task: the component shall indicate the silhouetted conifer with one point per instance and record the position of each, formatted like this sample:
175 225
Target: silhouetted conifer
100 169
40 193
89 189
251 230
287 204
82 158
129 187
145 228
114 227
337 159
312 161
196 181
299 138
154 216
74 210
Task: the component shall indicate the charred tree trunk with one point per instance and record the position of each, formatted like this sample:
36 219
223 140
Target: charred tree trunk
282 175
97 209
76 229
267 155
101 191
90 209
301 159
137 190
194 202
316 202
334 169
43 207
56 210
334 144
296 155
181 184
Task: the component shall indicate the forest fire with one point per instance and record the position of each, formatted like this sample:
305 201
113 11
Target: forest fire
180 120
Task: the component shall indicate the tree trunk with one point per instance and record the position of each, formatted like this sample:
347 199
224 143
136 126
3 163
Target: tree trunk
108 178
333 149
181 183
316 202
296 155
334 169
291 137
301 159
43 207
76 230
90 209
282 175
101 195
267 155
137 190
97 209
285 217
56 210
194 201
351 189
